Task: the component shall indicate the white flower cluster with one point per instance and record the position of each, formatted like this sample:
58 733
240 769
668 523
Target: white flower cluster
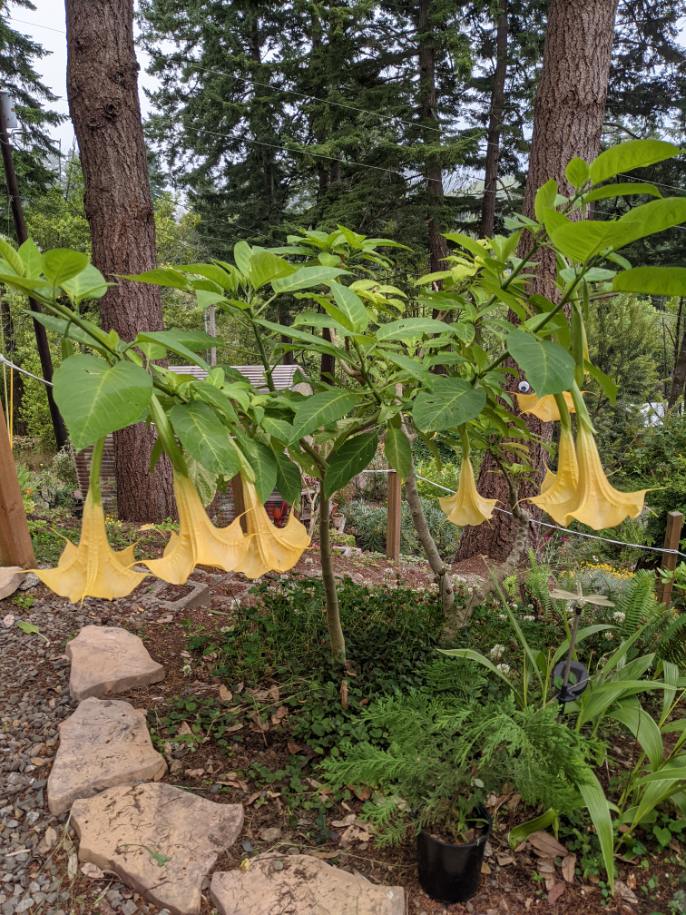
497 652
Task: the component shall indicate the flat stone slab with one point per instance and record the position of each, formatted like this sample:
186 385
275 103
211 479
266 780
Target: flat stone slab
301 885
104 743
106 660
159 840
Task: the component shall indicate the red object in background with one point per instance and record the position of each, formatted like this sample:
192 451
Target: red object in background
278 512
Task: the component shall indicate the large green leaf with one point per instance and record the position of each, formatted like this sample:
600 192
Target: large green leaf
315 344
210 394
624 157
306 278
351 307
12 257
411 329
181 342
321 410
96 398
599 810
469 654
350 459
666 281
548 367
625 189
61 264
522 831
647 219
643 727
66 328
205 437
288 479
398 451
265 267
451 403
263 462
581 240
88 284
160 276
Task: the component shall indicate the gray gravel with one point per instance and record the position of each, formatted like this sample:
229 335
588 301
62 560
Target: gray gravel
34 698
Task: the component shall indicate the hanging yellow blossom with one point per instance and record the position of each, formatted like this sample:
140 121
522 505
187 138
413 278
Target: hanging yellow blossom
270 548
544 408
599 504
198 542
467 506
559 494
93 568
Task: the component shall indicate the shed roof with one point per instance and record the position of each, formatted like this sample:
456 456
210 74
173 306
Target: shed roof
282 375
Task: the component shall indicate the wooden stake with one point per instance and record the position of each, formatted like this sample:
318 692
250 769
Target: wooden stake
393 516
675 523
16 548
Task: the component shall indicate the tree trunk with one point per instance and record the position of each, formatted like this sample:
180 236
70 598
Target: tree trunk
438 567
495 122
103 103
9 348
679 375
568 120
333 613
426 54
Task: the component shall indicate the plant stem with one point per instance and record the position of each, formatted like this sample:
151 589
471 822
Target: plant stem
94 474
438 567
333 614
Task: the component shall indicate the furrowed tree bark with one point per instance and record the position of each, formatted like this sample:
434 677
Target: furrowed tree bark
102 87
568 120
426 55
495 121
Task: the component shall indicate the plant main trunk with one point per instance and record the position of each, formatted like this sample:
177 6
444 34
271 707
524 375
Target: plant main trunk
438 567
568 120
103 102
495 124
333 613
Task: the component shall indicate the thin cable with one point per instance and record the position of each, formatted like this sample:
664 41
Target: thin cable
5 361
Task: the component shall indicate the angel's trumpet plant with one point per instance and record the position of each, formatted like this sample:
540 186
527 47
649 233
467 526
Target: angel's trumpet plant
545 408
270 548
598 504
466 506
93 568
559 491
199 541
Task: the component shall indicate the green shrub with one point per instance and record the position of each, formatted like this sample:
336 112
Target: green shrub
368 524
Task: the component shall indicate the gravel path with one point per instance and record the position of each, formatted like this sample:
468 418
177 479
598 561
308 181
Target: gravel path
38 863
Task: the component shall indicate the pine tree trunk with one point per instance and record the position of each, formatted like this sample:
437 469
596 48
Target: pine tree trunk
103 102
495 122
679 375
426 53
568 120
8 344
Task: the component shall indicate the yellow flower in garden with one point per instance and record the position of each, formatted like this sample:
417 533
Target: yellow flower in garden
467 506
559 491
599 504
545 408
270 548
93 568
198 541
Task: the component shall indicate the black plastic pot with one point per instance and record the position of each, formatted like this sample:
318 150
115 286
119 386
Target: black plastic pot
452 873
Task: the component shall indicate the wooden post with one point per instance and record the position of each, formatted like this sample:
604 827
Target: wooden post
675 523
393 516
16 548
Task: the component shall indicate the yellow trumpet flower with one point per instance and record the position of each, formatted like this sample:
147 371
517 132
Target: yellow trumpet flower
467 506
93 568
559 491
545 408
270 548
198 542
599 504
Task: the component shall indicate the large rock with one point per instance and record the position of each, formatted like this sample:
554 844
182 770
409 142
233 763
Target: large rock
301 885
159 840
104 743
106 660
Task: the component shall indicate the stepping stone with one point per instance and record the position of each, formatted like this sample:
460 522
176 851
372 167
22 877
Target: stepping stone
301 885
159 840
106 660
104 743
